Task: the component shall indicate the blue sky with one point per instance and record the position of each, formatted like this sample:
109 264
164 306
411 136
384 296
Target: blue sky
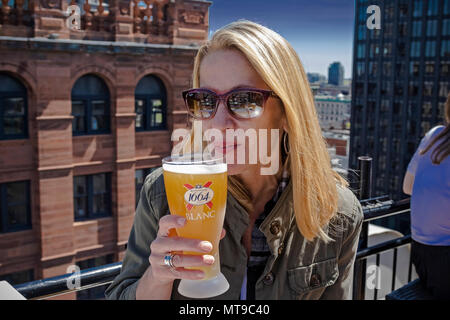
321 31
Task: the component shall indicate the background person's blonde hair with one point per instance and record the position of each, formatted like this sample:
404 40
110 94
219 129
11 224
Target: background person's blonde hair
315 196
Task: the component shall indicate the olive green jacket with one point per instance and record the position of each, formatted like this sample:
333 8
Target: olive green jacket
296 269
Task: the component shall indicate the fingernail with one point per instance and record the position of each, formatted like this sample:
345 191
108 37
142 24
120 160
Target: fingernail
206 246
181 221
208 259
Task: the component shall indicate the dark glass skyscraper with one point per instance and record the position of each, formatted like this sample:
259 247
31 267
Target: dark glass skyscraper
400 84
336 74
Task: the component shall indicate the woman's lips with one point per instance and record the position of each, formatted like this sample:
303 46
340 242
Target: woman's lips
224 149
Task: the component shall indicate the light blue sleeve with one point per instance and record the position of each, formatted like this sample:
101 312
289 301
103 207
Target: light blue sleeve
412 166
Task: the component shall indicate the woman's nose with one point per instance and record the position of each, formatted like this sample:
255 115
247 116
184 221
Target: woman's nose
222 120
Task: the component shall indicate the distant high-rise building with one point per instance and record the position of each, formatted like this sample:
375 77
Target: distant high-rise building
316 77
336 74
400 83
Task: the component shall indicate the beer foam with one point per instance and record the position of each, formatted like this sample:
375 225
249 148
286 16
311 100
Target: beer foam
195 168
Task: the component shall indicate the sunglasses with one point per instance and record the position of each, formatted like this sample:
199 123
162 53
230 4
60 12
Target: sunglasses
241 103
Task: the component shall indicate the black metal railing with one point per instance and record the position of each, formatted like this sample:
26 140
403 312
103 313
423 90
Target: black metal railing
400 207
376 250
103 275
373 209
365 180
56 286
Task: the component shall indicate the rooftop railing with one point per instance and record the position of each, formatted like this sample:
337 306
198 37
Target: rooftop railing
373 209
104 275
382 209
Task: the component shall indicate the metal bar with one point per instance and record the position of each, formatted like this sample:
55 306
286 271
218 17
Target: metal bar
365 165
397 207
375 293
410 266
385 197
384 246
394 269
61 293
385 215
357 270
59 284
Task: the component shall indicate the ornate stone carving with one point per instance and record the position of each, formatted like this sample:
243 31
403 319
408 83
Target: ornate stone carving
87 16
51 4
137 16
192 17
124 8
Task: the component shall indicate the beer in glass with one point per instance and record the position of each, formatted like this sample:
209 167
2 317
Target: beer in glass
197 190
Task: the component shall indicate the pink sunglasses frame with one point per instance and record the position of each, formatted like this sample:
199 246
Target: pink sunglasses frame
224 97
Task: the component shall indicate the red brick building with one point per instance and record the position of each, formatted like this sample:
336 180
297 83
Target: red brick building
340 143
84 115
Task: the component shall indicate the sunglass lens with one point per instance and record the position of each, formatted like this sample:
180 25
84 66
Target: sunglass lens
201 104
246 104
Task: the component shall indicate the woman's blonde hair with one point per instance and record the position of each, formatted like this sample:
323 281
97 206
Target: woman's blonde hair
315 195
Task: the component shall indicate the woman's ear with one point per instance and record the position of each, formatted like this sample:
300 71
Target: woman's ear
284 124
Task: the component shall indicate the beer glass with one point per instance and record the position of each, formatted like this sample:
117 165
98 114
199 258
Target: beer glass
197 190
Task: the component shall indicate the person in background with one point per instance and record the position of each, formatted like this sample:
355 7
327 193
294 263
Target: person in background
427 180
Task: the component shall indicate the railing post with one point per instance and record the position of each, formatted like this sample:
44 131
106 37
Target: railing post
365 165
359 284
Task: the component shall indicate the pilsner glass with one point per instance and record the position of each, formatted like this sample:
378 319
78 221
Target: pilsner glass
197 190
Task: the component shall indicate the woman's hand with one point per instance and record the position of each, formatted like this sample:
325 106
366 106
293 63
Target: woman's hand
157 281
164 245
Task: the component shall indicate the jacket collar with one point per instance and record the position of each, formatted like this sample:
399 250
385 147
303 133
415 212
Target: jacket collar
275 226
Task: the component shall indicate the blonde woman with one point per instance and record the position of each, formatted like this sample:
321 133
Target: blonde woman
288 235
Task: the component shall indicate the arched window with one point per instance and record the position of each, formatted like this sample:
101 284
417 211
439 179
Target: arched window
150 104
90 106
13 108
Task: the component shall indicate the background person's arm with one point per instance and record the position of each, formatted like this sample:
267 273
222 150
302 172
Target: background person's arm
408 180
408 183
